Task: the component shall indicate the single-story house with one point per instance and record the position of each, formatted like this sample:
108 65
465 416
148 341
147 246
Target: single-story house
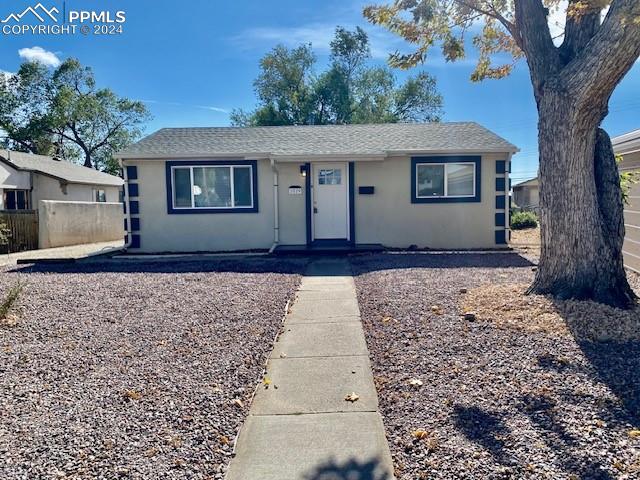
527 194
628 147
435 185
25 179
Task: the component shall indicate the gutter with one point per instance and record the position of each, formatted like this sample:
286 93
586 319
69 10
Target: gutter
276 223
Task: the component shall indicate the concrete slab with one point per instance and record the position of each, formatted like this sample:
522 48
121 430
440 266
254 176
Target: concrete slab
69 254
321 340
296 319
312 447
325 308
326 283
327 294
316 385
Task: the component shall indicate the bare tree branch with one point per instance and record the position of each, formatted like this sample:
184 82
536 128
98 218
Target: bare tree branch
542 55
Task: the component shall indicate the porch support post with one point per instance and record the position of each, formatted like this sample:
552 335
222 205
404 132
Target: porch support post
307 199
352 205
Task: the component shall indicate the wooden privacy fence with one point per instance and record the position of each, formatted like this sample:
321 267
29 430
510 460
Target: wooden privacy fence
23 230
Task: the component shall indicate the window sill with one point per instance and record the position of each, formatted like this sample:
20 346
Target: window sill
189 211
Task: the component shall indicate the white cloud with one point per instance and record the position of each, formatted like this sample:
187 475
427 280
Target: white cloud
180 104
39 54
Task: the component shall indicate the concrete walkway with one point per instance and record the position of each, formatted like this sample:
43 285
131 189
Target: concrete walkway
301 427
73 252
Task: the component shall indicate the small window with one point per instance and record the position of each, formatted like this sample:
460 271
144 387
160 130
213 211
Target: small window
330 176
100 196
440 180
16 200
213 187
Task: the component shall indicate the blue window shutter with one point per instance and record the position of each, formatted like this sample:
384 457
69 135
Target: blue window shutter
135 241
132 172
135 207
135 224
501 166
500 202
500 184
132 188
500 220
501 238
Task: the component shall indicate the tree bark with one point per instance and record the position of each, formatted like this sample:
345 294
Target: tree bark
582 225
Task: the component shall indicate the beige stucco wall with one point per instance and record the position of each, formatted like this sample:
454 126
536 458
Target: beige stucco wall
388 216
47 188
74 223
200 232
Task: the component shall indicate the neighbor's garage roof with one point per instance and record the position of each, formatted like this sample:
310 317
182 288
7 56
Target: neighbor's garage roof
60 169
319 140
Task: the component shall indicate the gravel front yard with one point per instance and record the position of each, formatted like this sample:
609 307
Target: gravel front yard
494 402
141 370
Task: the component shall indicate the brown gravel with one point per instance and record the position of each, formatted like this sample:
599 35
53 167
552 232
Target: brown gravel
495 403
507 306
134 370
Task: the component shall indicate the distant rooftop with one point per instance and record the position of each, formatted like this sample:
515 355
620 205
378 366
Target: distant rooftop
627 142
319 140
60 169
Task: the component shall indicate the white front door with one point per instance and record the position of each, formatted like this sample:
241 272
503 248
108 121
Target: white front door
330 201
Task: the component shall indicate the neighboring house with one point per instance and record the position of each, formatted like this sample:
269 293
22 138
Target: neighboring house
436 185
628 147
527 194
26 179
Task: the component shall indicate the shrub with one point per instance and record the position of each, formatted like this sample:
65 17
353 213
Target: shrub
520 220
8 302
5 234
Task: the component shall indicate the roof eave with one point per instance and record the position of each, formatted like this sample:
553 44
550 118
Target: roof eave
179 156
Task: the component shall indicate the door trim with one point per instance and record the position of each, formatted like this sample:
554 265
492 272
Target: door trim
309 182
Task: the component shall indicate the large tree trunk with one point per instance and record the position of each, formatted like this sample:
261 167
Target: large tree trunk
582 223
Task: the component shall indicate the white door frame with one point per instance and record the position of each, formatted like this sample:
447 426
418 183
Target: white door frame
345 181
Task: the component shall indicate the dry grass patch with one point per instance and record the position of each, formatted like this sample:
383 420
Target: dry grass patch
507 306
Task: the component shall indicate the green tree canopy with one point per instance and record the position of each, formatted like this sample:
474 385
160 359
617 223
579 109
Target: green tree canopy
63 113
349 91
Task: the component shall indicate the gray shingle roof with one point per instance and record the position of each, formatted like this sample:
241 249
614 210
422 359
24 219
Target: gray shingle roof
376 139
62 170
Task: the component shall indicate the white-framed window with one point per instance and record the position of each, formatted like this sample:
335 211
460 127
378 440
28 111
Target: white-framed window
445 180
99 196
212 187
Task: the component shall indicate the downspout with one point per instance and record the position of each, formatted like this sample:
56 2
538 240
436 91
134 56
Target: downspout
125 197
276 223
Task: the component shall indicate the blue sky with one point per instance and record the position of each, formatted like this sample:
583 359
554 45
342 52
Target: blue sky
194 61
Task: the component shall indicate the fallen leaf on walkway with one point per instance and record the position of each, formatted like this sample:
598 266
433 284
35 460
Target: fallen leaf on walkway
266 381
224 440
283 355
352 397
420 433
414 382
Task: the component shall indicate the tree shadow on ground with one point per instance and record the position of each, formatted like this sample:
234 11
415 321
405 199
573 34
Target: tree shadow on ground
484 428
350 470
612 362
